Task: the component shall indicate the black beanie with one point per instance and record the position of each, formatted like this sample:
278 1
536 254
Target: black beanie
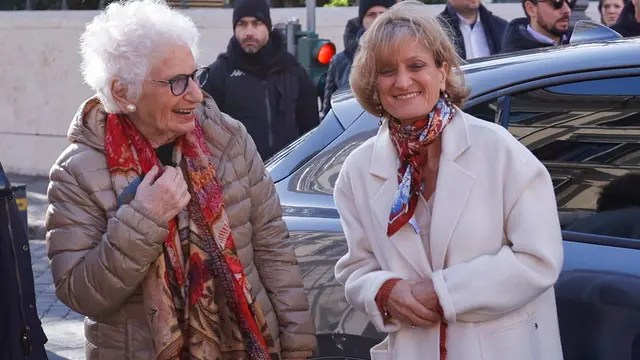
259 9
365 5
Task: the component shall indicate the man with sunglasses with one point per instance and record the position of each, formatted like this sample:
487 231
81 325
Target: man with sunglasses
260 84
546 24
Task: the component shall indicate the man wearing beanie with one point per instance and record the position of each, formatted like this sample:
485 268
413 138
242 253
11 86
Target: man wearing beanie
257 82
340 66
476 31
355 25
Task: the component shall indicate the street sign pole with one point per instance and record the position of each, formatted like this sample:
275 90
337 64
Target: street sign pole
291 35
311 15
579 12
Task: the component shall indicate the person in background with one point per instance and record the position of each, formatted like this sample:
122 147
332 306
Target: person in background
164 227
21 333
454 243
477 31
354 25
262 85
609 11
628 24
340 66
351 30
546 24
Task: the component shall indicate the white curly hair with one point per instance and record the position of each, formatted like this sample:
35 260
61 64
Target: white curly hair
122 40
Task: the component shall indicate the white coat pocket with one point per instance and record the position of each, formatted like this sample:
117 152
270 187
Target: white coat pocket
381 351
514 336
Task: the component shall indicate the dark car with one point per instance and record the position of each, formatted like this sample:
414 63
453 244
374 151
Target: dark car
577 108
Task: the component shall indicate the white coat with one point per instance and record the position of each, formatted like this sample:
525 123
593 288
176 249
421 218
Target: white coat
495 244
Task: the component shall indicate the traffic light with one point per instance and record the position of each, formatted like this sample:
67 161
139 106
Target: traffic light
315 55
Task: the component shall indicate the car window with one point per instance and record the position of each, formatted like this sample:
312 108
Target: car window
485 111
586 133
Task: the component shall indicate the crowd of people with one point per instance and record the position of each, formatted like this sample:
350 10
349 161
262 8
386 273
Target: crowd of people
477 32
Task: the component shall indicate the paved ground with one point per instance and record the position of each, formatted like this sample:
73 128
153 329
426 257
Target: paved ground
63 327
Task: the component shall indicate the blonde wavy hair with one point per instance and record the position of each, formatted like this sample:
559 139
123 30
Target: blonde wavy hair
405 24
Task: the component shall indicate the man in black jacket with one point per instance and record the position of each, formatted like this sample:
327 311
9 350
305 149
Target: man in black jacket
350 36
340 66
546 24
260 84
477 32
21 334
628 24
353 27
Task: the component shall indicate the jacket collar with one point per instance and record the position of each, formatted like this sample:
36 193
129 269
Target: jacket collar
88 126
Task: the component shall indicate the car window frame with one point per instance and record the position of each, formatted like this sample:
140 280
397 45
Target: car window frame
503 109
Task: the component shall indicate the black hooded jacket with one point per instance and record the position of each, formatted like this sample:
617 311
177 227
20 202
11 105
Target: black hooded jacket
350 36
21 334
339 71
494 28
517 37
269 92
627 25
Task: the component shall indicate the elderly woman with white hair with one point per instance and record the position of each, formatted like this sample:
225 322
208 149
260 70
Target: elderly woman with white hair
164 227
452 226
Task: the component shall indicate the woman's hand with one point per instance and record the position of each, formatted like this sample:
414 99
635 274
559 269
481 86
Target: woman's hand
165 196
403 306
426 295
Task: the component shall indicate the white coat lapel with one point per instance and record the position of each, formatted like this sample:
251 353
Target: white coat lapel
406 240
453 187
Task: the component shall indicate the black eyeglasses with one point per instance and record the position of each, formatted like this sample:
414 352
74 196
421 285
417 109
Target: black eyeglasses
180 83
557 4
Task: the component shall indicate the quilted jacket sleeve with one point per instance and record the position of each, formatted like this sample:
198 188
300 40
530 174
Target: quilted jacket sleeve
276 261
97 261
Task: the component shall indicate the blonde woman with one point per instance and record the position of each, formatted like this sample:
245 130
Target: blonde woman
452 227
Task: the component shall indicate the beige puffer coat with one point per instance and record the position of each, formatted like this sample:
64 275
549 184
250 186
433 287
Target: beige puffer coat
100 253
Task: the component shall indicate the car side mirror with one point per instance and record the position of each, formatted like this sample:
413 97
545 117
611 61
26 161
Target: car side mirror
589 30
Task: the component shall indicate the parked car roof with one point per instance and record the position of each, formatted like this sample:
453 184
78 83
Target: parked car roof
528 65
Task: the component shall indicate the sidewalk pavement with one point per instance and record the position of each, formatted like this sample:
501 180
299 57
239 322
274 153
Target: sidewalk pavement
36 202
64 328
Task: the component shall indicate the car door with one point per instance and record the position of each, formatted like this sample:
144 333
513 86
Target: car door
542 114
587 134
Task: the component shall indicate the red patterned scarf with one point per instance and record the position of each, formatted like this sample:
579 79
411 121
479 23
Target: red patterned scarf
196 294
411 142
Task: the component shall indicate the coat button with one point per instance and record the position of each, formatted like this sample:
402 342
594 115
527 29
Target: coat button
25 248
31 306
